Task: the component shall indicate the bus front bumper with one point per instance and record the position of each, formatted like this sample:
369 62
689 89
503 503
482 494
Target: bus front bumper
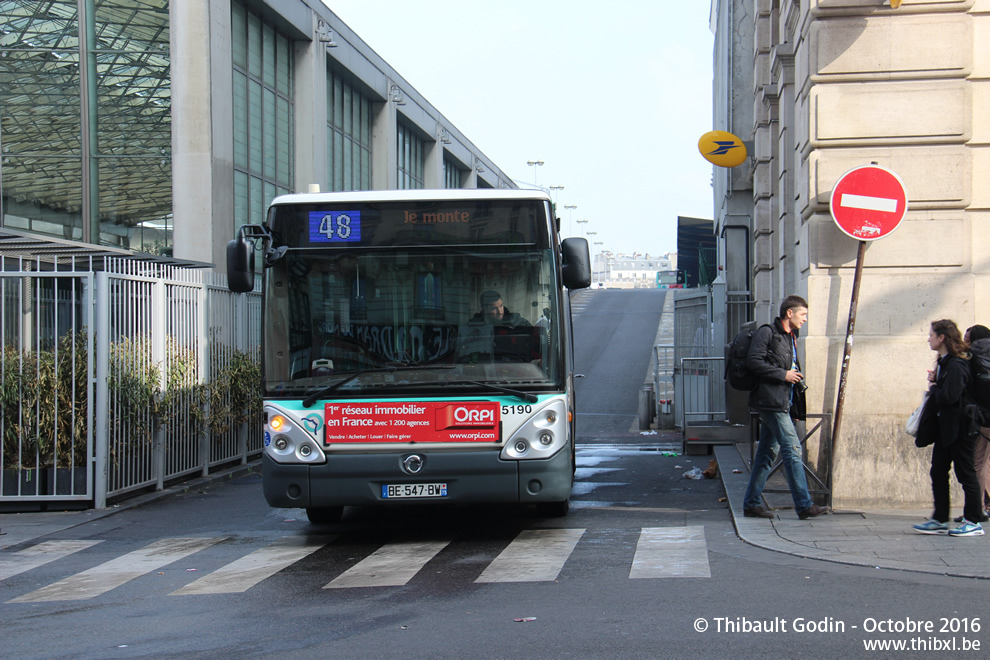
469 477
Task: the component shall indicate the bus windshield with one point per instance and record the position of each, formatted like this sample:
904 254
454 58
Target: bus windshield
379 301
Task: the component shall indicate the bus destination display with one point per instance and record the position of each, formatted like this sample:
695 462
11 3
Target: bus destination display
334 226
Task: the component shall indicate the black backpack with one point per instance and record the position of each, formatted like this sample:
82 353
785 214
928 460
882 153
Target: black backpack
736 373
980 365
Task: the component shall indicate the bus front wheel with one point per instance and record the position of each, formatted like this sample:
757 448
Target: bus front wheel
324 515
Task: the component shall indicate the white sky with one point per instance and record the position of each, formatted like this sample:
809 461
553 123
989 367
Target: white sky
612 96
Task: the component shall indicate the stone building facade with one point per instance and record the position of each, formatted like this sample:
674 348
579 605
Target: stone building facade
816 88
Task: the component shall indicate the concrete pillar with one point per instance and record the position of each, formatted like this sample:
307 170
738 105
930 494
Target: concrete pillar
384 144
311 113
433 165
202 139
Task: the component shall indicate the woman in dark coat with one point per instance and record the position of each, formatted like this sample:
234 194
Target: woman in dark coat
944 426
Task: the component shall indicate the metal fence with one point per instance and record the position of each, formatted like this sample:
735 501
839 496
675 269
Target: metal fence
119 378
701 391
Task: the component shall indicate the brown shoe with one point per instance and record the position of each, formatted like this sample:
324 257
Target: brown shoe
757 512
812 511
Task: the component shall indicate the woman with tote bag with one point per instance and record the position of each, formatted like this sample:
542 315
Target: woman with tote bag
945 427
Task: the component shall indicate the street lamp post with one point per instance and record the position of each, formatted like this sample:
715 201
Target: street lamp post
602 276
592 233
555 189
534 164
570 216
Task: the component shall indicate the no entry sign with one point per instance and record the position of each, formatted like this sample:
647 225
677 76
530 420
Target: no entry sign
868 202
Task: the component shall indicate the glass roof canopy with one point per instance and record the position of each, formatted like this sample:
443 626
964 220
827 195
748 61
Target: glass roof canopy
86 152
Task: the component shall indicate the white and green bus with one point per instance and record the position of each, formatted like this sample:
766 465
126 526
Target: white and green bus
416 347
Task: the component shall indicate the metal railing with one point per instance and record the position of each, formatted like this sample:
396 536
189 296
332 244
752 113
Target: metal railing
820 482
700 390
104 374
663 380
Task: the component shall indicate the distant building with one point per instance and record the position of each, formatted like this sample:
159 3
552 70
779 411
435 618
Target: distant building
633 271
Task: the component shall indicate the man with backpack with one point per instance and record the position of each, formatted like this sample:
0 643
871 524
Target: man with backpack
779 398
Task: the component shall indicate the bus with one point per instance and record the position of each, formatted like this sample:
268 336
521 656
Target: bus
416 348
670 279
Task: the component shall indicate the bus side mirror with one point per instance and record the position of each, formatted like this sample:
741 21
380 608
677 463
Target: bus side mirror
240 265
576 269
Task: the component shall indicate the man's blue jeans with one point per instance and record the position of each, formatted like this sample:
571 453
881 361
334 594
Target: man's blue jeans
777 430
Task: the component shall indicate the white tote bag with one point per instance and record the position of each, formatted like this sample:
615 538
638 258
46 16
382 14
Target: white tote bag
914 421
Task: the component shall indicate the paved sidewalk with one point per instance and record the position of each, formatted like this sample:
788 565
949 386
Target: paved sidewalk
17 528
879 538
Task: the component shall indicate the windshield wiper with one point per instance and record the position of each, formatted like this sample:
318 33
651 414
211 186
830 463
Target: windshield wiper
529 397
525 396
323 391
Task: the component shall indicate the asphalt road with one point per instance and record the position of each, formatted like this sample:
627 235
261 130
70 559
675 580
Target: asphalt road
614 332
646 565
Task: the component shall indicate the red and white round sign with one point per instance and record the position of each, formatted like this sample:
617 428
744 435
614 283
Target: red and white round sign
868 202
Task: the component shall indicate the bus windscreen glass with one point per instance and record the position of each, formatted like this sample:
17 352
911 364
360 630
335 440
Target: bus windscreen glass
470 299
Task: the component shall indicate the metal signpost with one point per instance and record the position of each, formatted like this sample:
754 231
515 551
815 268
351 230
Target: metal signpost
867 204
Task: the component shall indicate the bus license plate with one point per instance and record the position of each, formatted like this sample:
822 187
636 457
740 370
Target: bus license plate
399 491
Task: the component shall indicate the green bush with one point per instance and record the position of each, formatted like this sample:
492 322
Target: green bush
43 398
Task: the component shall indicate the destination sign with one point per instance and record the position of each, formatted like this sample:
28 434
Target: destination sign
335 227
397 224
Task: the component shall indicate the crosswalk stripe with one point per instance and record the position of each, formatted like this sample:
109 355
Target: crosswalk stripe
109 575
536 555
39 555
664 552
242 574
392 565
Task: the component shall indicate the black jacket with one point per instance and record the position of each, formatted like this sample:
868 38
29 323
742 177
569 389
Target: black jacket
943 421
769 359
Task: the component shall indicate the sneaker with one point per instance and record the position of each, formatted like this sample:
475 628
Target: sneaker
932 527
757 512
985 517
967 529
812 511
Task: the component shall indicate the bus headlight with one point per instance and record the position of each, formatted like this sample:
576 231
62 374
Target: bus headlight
541 436
291 442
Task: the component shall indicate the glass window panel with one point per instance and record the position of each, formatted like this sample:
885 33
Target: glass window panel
348 162
39 104
268 122
338 157
283 80
134 105
254 45
268 55
257 201
283 142
338 103
240 199
254 126
240 127
365 169
366 123
133 191
348 110
238 35
271 191
43 194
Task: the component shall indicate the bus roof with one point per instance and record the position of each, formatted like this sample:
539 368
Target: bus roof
410 195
